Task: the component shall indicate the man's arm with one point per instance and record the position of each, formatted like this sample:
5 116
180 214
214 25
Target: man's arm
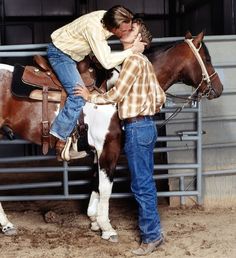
160 97
129 72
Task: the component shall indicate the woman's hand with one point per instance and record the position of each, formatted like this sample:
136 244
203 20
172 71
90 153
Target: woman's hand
138 45
82 91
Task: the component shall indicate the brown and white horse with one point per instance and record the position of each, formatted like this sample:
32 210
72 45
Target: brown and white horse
186 61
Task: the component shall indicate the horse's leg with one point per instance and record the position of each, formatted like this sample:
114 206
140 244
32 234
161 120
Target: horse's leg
105 189
98 208
94 198
7 227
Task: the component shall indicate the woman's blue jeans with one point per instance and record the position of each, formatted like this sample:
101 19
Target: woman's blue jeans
140 138
66 70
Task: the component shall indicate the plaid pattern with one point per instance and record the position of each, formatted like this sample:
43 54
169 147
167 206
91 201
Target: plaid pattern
85 35
137 90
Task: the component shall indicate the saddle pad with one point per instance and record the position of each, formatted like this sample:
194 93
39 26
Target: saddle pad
19 88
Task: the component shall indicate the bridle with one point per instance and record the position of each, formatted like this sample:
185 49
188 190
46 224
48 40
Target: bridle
205 76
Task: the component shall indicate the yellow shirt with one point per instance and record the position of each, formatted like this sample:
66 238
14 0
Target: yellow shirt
85 35
136 91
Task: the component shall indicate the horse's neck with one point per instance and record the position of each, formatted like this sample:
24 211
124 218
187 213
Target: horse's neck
167 68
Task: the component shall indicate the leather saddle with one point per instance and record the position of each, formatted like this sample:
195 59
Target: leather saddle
42 75
46 87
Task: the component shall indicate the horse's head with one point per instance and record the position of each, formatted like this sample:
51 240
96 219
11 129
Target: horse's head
198 69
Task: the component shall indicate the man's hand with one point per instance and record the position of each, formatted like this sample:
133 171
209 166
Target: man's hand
82 91
138 46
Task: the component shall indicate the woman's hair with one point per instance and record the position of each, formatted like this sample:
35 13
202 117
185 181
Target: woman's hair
115 16
144 31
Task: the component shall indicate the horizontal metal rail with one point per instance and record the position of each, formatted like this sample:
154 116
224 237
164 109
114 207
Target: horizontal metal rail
114 195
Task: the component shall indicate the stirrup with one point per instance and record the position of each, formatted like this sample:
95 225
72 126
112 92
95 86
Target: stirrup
77 154
70 152
65 154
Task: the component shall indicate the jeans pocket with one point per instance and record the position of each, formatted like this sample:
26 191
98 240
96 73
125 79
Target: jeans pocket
146 135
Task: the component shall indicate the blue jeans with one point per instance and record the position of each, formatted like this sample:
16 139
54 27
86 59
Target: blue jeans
66 70
140 138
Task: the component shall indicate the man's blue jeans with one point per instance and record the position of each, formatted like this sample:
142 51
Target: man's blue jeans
66 70
140 138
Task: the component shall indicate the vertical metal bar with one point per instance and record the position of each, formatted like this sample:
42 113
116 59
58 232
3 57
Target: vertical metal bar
199 154
3 24
181 186
65 179
233 15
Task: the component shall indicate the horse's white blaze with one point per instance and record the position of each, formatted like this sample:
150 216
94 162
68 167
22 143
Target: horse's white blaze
10 68
98 118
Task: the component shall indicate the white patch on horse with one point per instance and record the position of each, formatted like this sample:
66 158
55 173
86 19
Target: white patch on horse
10 68
7 227
105 188
115 75
98 117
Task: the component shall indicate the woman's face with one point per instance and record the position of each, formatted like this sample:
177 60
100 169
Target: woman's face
123 29
131 35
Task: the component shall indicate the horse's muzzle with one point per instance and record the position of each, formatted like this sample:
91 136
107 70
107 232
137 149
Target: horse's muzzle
215 92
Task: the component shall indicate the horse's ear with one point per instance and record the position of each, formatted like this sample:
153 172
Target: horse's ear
188 35
198 39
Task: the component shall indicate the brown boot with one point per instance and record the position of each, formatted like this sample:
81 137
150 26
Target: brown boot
60 145
146 249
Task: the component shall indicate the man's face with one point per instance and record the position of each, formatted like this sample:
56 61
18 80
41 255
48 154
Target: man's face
123 29
131 35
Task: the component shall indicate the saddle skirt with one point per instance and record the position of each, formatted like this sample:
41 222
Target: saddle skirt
28 81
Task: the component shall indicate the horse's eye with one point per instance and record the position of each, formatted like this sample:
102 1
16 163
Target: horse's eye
90 70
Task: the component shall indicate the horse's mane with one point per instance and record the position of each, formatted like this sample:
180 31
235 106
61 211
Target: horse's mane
164 46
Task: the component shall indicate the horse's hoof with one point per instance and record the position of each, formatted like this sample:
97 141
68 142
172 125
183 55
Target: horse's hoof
113 239
10 231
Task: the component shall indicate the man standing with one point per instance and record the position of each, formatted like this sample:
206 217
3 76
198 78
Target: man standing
70 44
138 96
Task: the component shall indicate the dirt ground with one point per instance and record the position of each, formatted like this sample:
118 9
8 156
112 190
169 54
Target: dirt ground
65 233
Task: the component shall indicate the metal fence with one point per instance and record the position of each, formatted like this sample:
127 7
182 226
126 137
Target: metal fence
66 183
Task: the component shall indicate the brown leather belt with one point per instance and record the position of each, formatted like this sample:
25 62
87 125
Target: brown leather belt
137 118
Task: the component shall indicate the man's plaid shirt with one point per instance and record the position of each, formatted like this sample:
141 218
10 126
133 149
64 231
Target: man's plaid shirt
137 91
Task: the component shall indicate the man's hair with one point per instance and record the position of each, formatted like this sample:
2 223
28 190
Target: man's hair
144 31
115 16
